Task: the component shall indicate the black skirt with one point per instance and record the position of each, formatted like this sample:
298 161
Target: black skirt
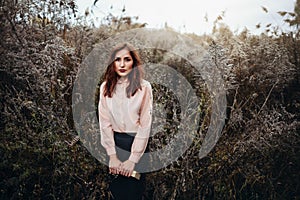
121 187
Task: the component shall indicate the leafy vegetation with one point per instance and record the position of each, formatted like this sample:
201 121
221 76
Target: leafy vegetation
257 156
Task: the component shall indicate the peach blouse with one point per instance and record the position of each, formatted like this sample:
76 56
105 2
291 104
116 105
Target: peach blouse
126 115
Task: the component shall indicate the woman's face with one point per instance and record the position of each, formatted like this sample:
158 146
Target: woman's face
123 63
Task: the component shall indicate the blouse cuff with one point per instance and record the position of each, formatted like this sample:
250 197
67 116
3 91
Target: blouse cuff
135 157
111 151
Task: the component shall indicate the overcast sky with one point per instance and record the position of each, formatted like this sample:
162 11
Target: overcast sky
189 15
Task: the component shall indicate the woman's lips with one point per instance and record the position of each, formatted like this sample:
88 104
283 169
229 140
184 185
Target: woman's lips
122 70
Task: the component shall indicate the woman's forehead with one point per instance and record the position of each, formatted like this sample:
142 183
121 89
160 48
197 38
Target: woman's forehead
123 53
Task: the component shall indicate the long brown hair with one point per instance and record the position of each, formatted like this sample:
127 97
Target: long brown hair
134 77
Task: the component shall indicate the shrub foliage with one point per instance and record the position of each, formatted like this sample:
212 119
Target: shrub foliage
257 156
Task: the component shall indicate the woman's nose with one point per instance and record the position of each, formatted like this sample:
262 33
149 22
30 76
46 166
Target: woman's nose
122 63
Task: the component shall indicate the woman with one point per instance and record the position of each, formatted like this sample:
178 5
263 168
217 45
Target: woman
125 114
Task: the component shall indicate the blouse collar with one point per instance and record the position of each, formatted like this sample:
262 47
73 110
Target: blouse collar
123 81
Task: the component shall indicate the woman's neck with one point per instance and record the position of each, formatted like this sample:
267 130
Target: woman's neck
123 79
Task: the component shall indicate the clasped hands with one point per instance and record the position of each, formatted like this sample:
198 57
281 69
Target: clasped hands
117 167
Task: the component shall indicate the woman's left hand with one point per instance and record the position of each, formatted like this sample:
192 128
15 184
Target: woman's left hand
127 168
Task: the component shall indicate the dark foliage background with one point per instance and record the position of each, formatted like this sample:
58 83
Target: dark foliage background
257 156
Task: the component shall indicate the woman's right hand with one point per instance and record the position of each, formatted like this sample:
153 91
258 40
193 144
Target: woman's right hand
114 164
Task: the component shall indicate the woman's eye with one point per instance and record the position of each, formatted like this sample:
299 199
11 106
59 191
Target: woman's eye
117 59
127 59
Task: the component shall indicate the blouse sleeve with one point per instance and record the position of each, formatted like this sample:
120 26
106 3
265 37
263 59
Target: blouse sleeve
107 138
141 139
